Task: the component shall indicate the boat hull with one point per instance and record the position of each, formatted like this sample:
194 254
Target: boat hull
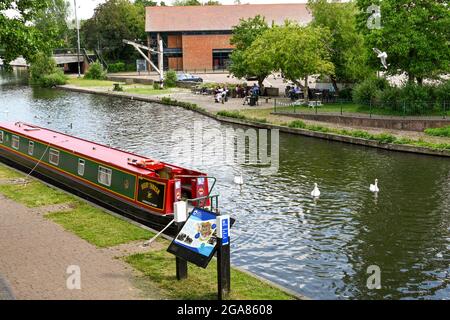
84 190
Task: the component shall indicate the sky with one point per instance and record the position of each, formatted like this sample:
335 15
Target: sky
85 8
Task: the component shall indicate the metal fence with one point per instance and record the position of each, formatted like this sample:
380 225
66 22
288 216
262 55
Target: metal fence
401 108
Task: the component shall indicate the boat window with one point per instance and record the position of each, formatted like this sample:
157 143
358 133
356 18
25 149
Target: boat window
30 148
81 164
15 142
53 157
1 136
104 176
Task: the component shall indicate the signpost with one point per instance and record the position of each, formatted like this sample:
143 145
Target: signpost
141 66
199 236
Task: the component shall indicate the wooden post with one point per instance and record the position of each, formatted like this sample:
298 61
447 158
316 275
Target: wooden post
223 257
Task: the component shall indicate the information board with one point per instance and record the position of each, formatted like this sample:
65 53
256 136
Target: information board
197 240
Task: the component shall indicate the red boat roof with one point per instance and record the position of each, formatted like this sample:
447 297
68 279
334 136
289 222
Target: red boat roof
108 155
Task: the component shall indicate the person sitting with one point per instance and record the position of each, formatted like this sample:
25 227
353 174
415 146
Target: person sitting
218 97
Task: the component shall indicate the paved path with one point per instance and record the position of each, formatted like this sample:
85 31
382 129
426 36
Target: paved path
35 254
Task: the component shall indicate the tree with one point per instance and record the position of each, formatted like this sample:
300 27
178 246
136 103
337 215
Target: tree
112 22
187 3
18 35
301 52
145 3
244 34
348 52
53 20
414 34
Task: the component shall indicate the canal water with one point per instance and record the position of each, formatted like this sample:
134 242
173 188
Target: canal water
324 249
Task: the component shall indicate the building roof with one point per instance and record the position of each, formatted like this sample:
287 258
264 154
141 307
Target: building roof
220 18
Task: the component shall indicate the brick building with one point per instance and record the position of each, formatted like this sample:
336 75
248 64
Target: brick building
198 37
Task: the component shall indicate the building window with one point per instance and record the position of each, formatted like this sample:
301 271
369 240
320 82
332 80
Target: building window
15 142
221 58
81 165
104 176
1 136
53 157
30 148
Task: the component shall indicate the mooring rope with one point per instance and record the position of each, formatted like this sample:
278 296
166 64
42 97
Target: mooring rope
32 170
149 242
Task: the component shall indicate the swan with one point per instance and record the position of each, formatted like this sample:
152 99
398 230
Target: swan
374 187
239 180
316 192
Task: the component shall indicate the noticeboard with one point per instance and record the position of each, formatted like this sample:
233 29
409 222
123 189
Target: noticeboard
141 65
197 240
152 193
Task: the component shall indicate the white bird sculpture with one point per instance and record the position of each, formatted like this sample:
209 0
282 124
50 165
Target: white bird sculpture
374 187
316 192
382 56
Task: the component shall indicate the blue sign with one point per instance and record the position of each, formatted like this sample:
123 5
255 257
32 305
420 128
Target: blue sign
225 231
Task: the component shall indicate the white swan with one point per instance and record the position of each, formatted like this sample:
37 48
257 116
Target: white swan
239 180
374 187
316 192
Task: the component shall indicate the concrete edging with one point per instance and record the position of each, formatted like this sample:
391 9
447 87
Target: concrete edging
303 132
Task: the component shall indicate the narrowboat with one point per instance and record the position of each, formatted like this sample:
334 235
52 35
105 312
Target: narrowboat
139 187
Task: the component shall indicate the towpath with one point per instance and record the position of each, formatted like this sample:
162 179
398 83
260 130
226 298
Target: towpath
35 255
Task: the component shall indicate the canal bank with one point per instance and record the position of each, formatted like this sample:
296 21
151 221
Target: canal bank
380 140
101 246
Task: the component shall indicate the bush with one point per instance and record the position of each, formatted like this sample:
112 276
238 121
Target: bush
369 90
439 132
345 94
170 79
156 85
44 72
95 72
442 93
389 98
297 124
117 67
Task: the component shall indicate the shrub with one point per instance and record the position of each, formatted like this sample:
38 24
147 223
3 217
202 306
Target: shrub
117 67
297 124
95 72
156 85
389 98
170 79
231 114
439 132
442 93
44 72
369 90
345 94
415 98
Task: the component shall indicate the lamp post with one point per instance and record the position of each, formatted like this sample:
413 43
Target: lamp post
78 38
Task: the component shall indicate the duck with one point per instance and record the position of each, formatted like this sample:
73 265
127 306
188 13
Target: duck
374 187
316 192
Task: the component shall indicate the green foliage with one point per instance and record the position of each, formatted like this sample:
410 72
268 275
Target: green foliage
18 35
184 105
45 73
170 79
95 72
117 67
369 90
187 3
439 132
52 20
414 34
113 21
156 85
297 124
244 34
231 114
348 53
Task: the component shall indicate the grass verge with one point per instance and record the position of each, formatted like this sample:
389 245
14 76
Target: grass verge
97 227
201 284
146 90
86 83
6 173
439 132
34 194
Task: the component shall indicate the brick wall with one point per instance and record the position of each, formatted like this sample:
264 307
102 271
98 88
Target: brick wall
197 50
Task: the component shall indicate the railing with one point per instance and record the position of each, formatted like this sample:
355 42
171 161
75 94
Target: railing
401 108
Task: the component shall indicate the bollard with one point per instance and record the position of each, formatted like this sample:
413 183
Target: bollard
180 217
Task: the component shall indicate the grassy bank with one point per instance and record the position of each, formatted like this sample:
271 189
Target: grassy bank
201 284
439 132
265 116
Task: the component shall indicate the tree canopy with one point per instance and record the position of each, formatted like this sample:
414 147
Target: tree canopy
414 34
348 53
18 35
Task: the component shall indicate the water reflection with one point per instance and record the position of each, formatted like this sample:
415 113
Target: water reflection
321 248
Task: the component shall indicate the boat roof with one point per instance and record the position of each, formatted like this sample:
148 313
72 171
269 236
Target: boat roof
99 152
